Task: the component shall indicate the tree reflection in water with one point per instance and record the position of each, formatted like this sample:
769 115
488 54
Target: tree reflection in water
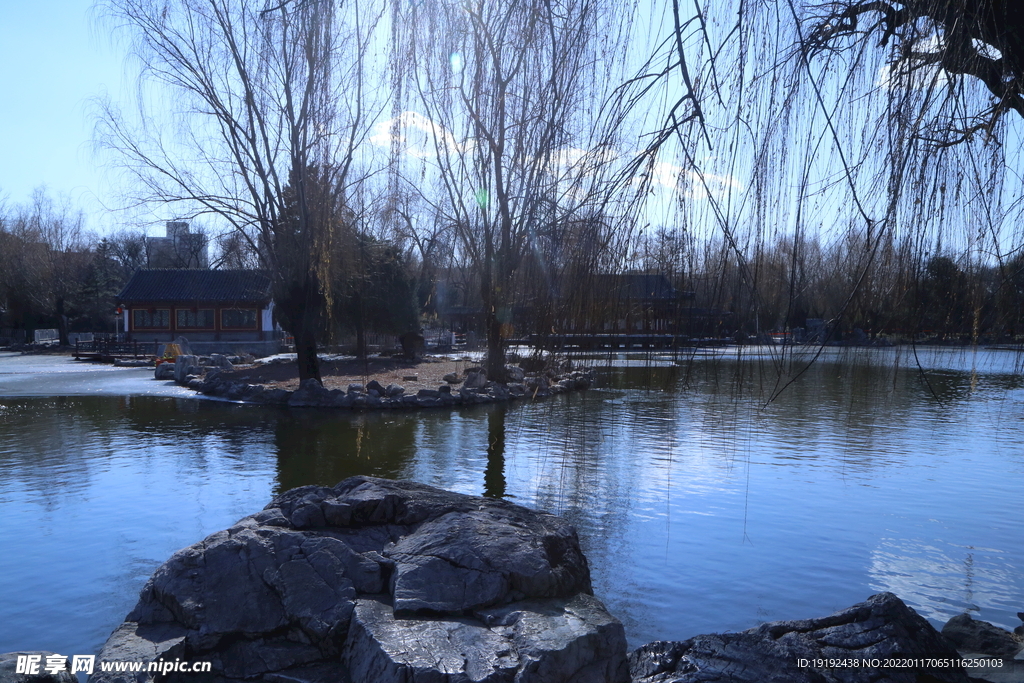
494 474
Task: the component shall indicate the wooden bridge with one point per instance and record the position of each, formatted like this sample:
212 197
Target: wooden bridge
109 350
621 342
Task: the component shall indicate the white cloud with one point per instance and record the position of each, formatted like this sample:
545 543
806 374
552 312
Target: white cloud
417 136
690 183
570 161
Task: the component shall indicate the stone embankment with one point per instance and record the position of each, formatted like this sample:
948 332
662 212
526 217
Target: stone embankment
470 387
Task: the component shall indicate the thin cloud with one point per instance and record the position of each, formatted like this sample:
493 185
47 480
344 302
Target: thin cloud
689 183
417 136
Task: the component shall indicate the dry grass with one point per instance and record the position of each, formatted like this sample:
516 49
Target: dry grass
338 374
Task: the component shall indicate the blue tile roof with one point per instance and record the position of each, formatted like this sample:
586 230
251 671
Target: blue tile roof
166 284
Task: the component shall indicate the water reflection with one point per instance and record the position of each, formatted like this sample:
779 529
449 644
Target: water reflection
324 447
703 503
940 577
494 474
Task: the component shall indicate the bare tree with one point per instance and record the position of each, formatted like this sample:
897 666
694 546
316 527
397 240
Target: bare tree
509 93
46 253
235 252
261 99
128 248
823 153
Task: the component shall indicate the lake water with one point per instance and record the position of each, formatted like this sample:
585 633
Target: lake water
703 503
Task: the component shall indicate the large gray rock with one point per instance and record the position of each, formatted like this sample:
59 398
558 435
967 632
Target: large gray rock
311 393
972 635
185 365
879 628
551 641
164 371
475 380
396 581
514 374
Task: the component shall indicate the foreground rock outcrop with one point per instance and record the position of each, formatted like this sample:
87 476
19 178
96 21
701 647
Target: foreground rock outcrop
880 630
378 580
972 635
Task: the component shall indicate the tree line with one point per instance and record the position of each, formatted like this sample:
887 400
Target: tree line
57 274
54 273
768 158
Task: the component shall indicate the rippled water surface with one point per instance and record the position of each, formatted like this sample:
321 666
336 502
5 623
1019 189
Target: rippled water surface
702 505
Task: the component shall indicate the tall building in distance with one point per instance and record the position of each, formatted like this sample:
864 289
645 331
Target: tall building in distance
179 249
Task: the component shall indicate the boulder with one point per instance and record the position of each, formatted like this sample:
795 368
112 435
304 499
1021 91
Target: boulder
374 385
470 396
514 374
880 627
221 361
379 580
980 637
185 365
310 394
210 385
164 371
475 380
394 390
236 390
38 661
276 396
536 383
570 639
452 378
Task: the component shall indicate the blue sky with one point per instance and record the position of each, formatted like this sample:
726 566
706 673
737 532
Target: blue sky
55 57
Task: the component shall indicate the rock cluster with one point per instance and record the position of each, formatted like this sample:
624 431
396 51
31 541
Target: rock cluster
971 635
476 388
880 628
379 580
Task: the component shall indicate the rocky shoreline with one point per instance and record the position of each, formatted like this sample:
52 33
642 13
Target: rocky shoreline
399 582
470 387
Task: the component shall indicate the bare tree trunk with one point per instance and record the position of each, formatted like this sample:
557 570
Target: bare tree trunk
62 322
360 324
495 346
306 349
495 361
